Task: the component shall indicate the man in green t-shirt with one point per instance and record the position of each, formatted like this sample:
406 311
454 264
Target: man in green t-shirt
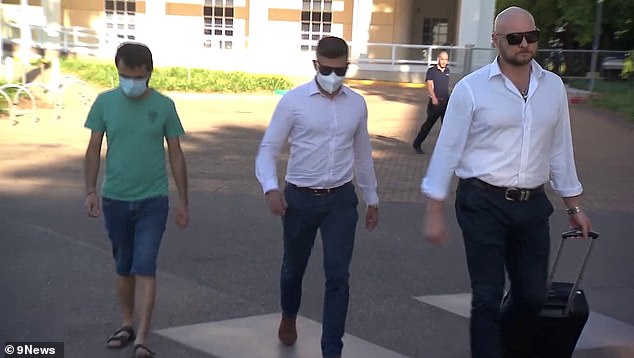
135 119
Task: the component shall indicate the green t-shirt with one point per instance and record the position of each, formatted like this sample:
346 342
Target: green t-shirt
135 160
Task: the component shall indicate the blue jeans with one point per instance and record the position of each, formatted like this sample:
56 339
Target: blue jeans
498 235
335 215
135 229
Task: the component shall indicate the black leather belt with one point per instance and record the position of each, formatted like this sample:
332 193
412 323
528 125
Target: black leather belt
510 193
317 191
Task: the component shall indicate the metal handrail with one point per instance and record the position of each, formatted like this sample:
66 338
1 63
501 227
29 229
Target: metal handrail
58 37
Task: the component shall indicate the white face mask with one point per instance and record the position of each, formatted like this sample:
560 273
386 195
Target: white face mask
331 82
133 87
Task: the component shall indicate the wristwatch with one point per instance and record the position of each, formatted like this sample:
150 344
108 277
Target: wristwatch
573 210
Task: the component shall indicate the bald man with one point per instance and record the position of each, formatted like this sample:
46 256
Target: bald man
506 133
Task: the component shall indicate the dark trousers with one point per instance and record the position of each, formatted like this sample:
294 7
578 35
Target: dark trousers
433 113
501 234
335 215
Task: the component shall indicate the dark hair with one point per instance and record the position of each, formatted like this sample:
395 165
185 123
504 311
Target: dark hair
332 47
134 55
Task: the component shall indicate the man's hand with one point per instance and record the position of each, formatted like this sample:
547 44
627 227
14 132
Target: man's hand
91 203
371 217
578 219
276 202
182 216
434 228
434 101
581 222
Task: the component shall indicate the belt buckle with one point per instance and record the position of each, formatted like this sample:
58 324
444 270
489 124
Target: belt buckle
516 194
321 192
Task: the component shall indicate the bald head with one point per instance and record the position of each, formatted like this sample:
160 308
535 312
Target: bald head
513 19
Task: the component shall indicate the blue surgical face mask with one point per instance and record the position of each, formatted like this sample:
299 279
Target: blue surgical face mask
133 87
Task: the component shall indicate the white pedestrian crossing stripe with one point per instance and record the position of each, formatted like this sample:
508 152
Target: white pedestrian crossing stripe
600 330
256 337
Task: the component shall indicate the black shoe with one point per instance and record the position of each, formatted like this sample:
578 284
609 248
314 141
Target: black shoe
287 333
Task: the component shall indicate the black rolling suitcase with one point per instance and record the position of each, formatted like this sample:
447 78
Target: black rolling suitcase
565 312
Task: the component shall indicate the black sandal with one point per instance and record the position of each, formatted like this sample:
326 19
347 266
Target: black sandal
123 339
147 354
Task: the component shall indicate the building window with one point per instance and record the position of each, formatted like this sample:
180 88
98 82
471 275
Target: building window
435 31
120 19
316 22
218 24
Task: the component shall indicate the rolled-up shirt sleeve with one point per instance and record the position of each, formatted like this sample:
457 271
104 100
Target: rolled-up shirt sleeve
271 145
451 143
364 167
563 172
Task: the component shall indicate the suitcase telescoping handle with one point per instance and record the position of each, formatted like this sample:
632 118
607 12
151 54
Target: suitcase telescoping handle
568 235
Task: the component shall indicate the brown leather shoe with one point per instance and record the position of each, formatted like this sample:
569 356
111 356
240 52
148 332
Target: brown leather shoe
287 332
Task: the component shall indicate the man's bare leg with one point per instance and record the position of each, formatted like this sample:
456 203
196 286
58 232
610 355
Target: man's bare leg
125 294
147 293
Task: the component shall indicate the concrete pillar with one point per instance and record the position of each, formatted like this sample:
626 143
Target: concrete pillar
25 39
152 30
362 16
1 37
258 20
476 23
52 19
52 12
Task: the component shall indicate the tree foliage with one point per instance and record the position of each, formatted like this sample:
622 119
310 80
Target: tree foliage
577 18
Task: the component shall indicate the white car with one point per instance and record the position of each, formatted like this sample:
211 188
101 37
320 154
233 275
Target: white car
612 66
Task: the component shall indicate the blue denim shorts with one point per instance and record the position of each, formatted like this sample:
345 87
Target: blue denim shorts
135 229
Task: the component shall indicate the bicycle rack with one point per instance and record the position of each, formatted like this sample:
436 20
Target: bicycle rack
55 93
9 107
13 105
68 81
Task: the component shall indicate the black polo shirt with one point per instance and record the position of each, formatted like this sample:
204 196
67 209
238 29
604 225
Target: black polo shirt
441 81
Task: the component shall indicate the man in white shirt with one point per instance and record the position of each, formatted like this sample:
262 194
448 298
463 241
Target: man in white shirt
325 124
506 133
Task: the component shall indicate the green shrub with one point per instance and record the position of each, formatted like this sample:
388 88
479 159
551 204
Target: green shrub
96 72
180 79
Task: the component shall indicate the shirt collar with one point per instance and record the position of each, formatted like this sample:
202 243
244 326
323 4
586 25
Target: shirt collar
313 89
536 70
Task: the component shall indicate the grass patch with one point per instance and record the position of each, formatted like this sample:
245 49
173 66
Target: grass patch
104 74
615 95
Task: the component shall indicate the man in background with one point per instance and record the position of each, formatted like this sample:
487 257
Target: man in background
437 79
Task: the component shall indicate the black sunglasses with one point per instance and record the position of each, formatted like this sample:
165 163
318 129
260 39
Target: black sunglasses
515 38
326 70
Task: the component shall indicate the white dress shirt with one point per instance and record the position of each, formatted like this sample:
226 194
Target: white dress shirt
328 140
489 132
